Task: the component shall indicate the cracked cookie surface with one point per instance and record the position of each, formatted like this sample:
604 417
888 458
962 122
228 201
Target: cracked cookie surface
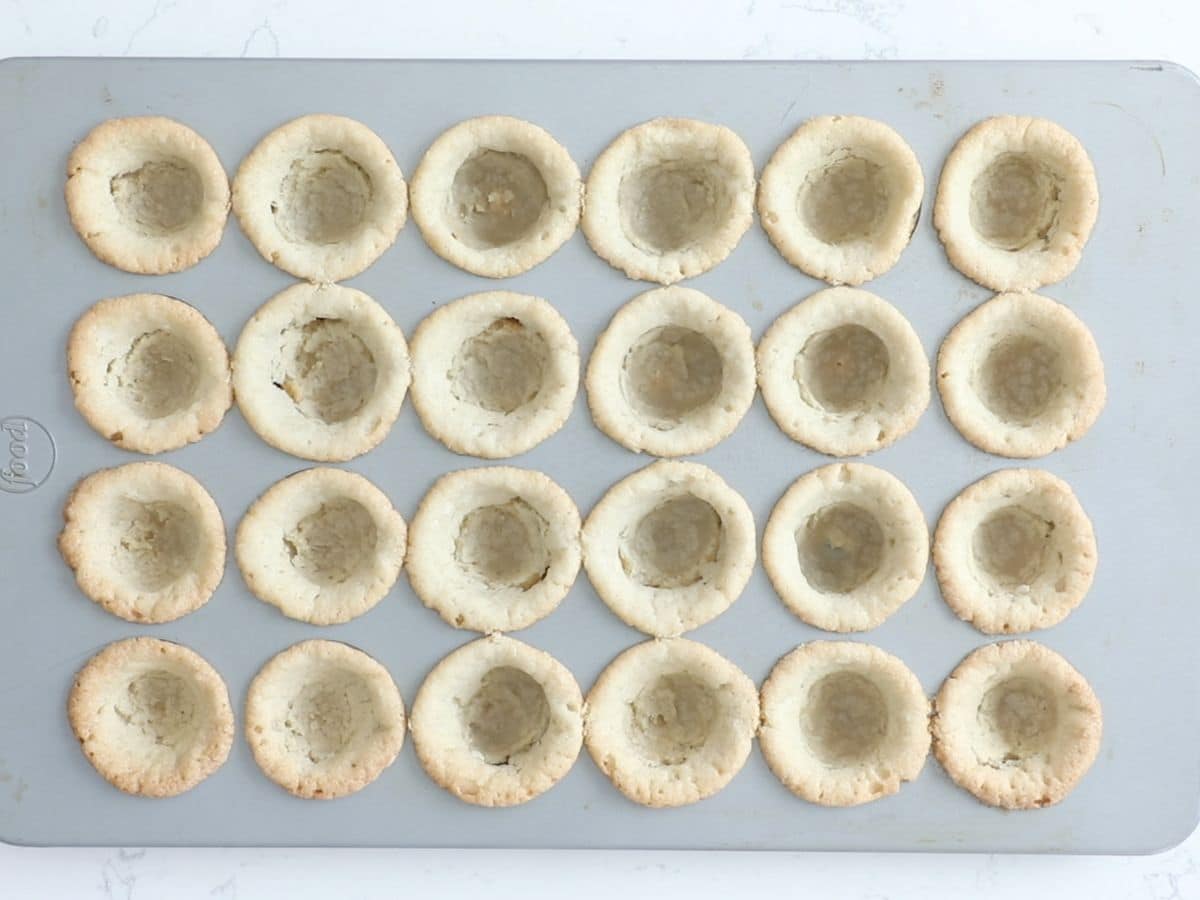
1014 551
673 373
846 546
148 372
496 196
670 722
1021 376
145 540
323 546
1016 203
494 374
844 723
323 719
321 197
669 199
1016 725
147 194
498 722
669 547
320 372
843 372
840 198
151 716
494 548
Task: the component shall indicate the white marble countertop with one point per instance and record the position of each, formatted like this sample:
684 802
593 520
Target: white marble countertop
702 29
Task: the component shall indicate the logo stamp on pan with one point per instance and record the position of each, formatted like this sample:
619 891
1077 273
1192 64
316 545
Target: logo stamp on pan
27 454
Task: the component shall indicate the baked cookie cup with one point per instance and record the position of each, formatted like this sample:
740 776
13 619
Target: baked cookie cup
1016 203
846 546
843 372
840 198
320 372
1014 552
496 196
323 546
494 549
320 197
148 372
147 194
1016 725
151 716
1021 376
324 719
670 722
669 547
669 199
494 374
497 722
843 723
145 540
673 374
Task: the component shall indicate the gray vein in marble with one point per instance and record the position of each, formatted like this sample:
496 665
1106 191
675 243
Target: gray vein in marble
873 14
878 51
1170 884
758 50
269 35
20 16
160 6
117 879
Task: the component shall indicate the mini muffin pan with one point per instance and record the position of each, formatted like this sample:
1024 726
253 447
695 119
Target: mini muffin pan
1134 637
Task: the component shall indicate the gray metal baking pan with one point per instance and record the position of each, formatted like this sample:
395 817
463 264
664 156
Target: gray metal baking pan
1135 637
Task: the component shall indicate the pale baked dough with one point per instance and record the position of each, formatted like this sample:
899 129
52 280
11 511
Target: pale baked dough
145 540
323 546
669 199
323 719
669 547
840 198
497 722
494 549
496 196
1016 203
670 722
148 372
843 372
846 546
1021 376
673 374
320 372
321 197
147 194
843 723
152 716
1014 551
494 374
1016 725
